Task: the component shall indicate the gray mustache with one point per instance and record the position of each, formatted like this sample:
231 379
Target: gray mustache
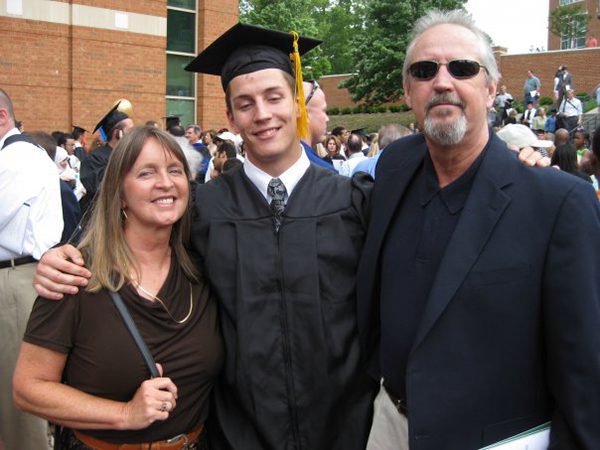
444 99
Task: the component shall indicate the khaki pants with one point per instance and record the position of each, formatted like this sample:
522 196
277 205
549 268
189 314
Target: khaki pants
390 428
18 430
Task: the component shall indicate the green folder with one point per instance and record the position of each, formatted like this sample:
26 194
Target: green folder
536 438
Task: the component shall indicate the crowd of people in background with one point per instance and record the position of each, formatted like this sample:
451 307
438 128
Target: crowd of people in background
211 152
556 126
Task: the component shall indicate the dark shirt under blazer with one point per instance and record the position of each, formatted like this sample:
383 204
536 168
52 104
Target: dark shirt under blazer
509 335
420 230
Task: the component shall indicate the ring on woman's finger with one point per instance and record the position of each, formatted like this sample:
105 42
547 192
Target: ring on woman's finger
163 408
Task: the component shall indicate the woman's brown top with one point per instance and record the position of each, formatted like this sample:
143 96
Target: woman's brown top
104 361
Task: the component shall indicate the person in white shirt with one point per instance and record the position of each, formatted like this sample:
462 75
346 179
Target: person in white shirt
223 137
30 223
570 111
78 134
502 103
354 150
528 115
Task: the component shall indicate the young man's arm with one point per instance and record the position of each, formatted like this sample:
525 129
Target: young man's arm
60 271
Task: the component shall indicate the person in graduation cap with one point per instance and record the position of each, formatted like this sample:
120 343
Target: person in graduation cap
112 127
364 137
172 120
80 142
281 258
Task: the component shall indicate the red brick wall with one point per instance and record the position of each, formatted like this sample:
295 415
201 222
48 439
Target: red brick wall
340 97
336 97
59 75
214 18
34 71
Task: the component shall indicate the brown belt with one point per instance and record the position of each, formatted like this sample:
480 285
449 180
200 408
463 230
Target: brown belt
397 401
181 441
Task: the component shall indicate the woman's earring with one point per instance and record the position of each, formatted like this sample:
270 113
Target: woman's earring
124 214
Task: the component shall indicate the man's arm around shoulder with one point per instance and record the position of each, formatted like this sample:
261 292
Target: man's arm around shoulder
59 272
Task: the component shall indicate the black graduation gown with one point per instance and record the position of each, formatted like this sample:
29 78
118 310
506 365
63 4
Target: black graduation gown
80 153
71 213
293 378
91 174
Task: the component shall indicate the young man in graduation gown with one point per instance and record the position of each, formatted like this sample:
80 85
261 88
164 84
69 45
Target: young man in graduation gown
112 127
280 240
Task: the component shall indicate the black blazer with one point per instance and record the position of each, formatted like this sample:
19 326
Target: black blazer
510 336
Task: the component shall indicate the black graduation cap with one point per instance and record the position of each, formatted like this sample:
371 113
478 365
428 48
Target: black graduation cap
113 117
247 48
172 120
361 132
78 129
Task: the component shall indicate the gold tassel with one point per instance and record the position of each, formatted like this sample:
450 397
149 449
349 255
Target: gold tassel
303 129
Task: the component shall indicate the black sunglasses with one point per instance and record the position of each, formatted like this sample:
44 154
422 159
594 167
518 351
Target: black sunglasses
459 68
314 88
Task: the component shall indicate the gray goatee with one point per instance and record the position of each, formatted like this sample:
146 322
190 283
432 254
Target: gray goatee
445 133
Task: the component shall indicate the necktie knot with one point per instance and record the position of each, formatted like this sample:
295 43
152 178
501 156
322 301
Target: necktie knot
276 190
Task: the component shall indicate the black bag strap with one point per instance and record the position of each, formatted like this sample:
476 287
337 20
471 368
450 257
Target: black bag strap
135 334
17 138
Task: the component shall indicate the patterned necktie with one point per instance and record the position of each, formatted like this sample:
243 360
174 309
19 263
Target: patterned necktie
277 191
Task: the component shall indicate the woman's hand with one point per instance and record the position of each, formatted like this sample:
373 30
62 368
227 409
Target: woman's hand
154 400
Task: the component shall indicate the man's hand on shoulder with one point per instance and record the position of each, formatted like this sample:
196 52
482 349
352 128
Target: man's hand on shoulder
59 272
531 157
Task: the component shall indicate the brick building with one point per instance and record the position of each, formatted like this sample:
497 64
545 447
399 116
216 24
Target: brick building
65 62
589 27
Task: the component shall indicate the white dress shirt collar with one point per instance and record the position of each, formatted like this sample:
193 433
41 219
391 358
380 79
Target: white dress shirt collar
8 133
289 178
357 155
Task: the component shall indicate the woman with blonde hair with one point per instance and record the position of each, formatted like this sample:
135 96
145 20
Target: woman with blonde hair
134 245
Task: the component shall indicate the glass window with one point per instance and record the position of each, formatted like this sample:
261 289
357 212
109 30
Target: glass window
576 37
181 34
568 2
179 81
187 4
183 107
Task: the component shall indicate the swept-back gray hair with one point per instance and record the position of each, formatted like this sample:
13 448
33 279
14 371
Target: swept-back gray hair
196 128
458 17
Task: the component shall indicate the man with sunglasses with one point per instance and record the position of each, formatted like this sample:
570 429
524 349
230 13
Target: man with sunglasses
476 329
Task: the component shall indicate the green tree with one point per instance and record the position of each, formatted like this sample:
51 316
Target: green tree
378 52
338 24
291 15
569 22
